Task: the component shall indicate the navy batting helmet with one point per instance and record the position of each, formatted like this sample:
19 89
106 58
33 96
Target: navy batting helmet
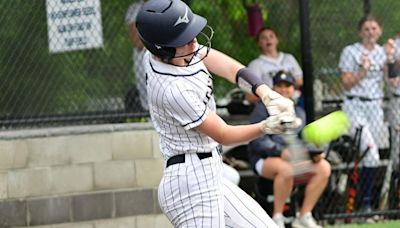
164 25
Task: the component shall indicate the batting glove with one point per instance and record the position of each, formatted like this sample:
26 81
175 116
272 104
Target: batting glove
290 122
280 123
276 103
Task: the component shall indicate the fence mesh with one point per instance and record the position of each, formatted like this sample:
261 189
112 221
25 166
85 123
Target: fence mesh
69 62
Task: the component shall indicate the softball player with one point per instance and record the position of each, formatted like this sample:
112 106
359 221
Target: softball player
192 192
362 76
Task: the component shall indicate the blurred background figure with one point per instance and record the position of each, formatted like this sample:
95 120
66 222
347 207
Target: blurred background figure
362 74
271 60
269 157
137 56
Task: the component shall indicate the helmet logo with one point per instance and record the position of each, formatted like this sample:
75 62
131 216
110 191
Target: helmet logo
157 46
183 19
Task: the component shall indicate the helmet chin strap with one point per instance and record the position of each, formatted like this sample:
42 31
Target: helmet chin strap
189 61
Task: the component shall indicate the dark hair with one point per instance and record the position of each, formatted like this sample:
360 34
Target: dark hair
365 18
263 29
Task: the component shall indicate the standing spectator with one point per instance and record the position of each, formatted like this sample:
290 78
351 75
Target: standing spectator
271 60
269 157
362 75
138 52
392 49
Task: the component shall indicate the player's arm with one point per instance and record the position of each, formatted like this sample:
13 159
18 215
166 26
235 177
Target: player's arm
235 72
391 64
228 68
226 134
353 67
222 65
350 79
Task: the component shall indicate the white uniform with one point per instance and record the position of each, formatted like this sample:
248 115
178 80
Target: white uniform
363 102
193 193
267 67
137 57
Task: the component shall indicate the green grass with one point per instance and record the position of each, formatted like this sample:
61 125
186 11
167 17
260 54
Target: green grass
383 224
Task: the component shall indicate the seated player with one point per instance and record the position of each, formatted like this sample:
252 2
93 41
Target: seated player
269 157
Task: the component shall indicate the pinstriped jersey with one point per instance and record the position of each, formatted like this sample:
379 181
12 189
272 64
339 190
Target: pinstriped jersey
180 99
371 86
266 67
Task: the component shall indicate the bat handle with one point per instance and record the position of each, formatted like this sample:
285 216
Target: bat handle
285 122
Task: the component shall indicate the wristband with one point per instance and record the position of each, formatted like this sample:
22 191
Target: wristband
392 70
248 80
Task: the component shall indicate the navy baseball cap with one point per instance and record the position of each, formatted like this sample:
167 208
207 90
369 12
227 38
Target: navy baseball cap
282 76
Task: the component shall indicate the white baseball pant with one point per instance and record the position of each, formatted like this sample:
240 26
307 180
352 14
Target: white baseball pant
194 194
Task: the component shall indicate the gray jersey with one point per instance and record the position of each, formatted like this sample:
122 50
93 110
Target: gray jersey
180 99
371 86
267 67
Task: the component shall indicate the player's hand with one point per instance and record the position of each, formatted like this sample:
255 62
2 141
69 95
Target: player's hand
280 123
290 122
276 103
389 47
365 63
394 81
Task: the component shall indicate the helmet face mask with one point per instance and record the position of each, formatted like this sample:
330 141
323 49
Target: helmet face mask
164 25
204 41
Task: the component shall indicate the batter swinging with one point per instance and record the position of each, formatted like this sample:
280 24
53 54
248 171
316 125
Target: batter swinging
192 192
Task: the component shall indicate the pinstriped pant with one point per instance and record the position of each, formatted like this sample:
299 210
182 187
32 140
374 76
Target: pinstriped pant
194 194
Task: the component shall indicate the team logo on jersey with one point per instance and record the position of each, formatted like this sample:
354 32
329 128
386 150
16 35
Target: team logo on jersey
183 19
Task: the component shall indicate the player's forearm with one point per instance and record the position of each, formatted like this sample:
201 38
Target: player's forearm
349 80
239 134
216 128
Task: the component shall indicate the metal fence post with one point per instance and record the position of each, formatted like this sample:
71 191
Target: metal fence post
367 7
306 57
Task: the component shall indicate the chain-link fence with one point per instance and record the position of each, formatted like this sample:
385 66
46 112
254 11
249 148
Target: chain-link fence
364 162
69 62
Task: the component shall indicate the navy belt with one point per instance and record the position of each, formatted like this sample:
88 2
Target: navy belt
362 98
180 158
